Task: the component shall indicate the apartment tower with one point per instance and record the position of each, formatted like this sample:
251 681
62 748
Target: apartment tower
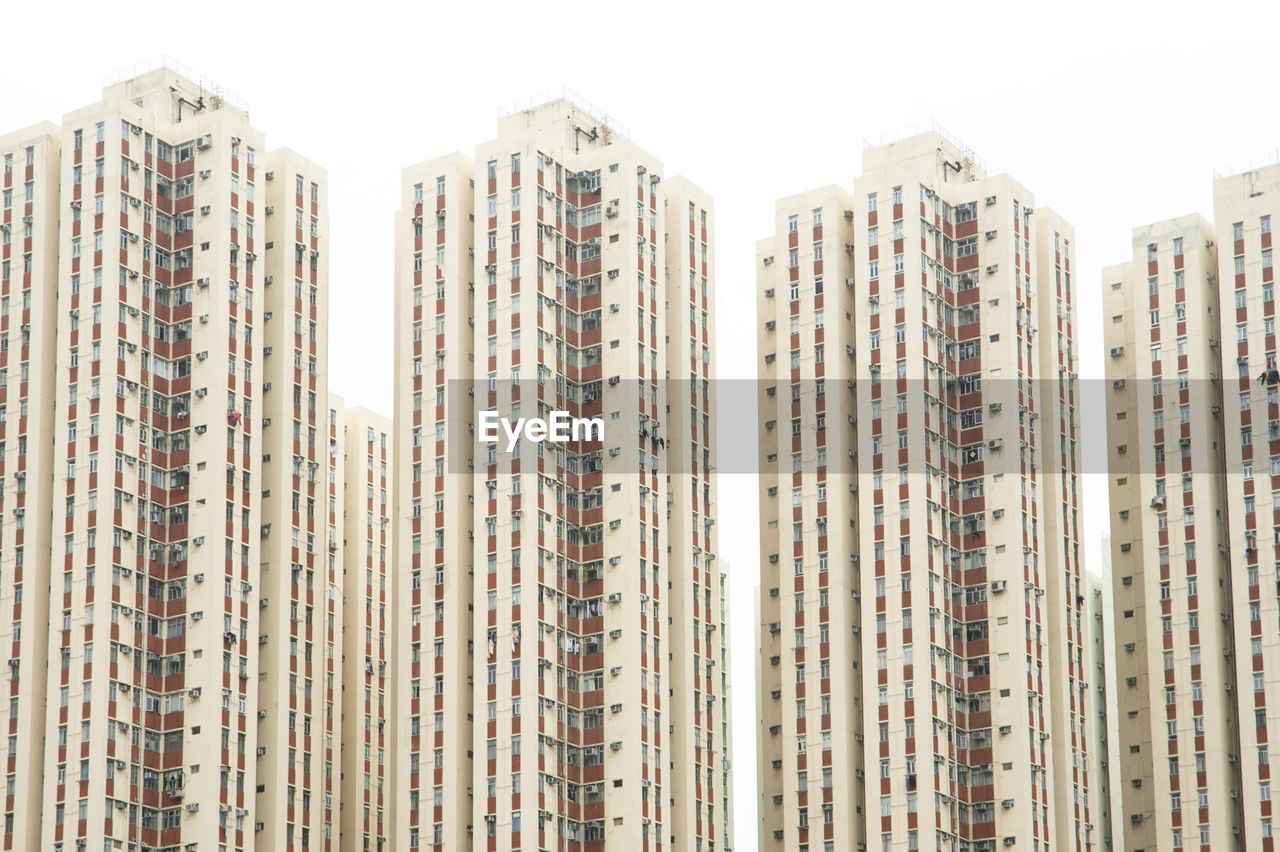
925 660
363 442
1179 778
1194 446
559 674
299 596
161 309
1101 633
30 215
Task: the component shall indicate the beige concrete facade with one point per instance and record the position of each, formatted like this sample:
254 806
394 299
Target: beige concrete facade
1104 746
300 601
1196 608
1175 673
560 675
1244 208
812 781
922 601
364 444
176 683
30 217
150 734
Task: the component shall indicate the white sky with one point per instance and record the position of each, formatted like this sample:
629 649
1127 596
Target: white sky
1114 115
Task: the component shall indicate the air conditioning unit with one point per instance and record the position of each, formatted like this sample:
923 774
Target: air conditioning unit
205 141
998 585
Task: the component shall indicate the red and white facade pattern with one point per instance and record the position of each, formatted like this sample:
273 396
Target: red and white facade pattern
163 293
156 395
363 441
1194 448
29 220
947 575
300 603
1244 208
539 272
1174 673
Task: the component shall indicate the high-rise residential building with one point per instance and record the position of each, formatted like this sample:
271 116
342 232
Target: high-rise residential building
364 444
1164 399
925 655
30 213
560 664
1193 421
1244 206
150 736
1102 747
176 681
300 605
811 775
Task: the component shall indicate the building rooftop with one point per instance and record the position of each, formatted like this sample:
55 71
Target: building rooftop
557 100
165 75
